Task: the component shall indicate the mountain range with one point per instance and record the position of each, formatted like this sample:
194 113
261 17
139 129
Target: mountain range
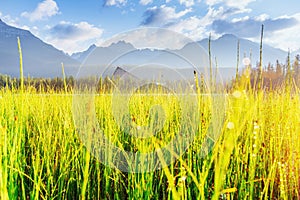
39 59
43 60
151 64
224 51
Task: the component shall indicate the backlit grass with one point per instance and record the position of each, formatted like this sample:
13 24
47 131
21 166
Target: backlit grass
256 156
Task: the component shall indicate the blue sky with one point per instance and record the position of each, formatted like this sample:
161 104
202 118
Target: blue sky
74 25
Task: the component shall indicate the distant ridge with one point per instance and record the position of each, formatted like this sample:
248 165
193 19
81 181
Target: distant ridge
80 56
43 60
224 49
39 59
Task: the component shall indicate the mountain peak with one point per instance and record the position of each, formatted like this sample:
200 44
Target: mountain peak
92 46
228 36
121 43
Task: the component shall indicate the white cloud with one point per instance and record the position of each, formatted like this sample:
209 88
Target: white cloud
162 15
13 22
9 20
231 3
249 27
152 38
44 10
238 4
187 3
214 14
285 39
198 27
262 17
213 2
193 27
71 37
115 2
240 19
35 30
146 2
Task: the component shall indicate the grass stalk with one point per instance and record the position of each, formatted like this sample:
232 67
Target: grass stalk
260 78
64 77
21 66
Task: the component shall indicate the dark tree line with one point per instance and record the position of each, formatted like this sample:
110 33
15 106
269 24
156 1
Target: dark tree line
279 75
57 84
37 84
276 75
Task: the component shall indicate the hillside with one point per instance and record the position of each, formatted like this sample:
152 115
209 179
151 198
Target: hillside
39 59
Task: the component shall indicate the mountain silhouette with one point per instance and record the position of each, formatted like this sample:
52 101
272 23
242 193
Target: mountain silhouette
39 59
43 60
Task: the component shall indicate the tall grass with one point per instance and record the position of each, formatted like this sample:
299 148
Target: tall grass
256 157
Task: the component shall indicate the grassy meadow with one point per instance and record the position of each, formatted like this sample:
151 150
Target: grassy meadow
256 156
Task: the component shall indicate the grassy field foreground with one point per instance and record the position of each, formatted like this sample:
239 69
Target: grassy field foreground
256 156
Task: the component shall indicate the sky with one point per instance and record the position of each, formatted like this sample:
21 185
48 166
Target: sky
72 26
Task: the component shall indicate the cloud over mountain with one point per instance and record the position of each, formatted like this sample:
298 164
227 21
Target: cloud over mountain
69 36
250 27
